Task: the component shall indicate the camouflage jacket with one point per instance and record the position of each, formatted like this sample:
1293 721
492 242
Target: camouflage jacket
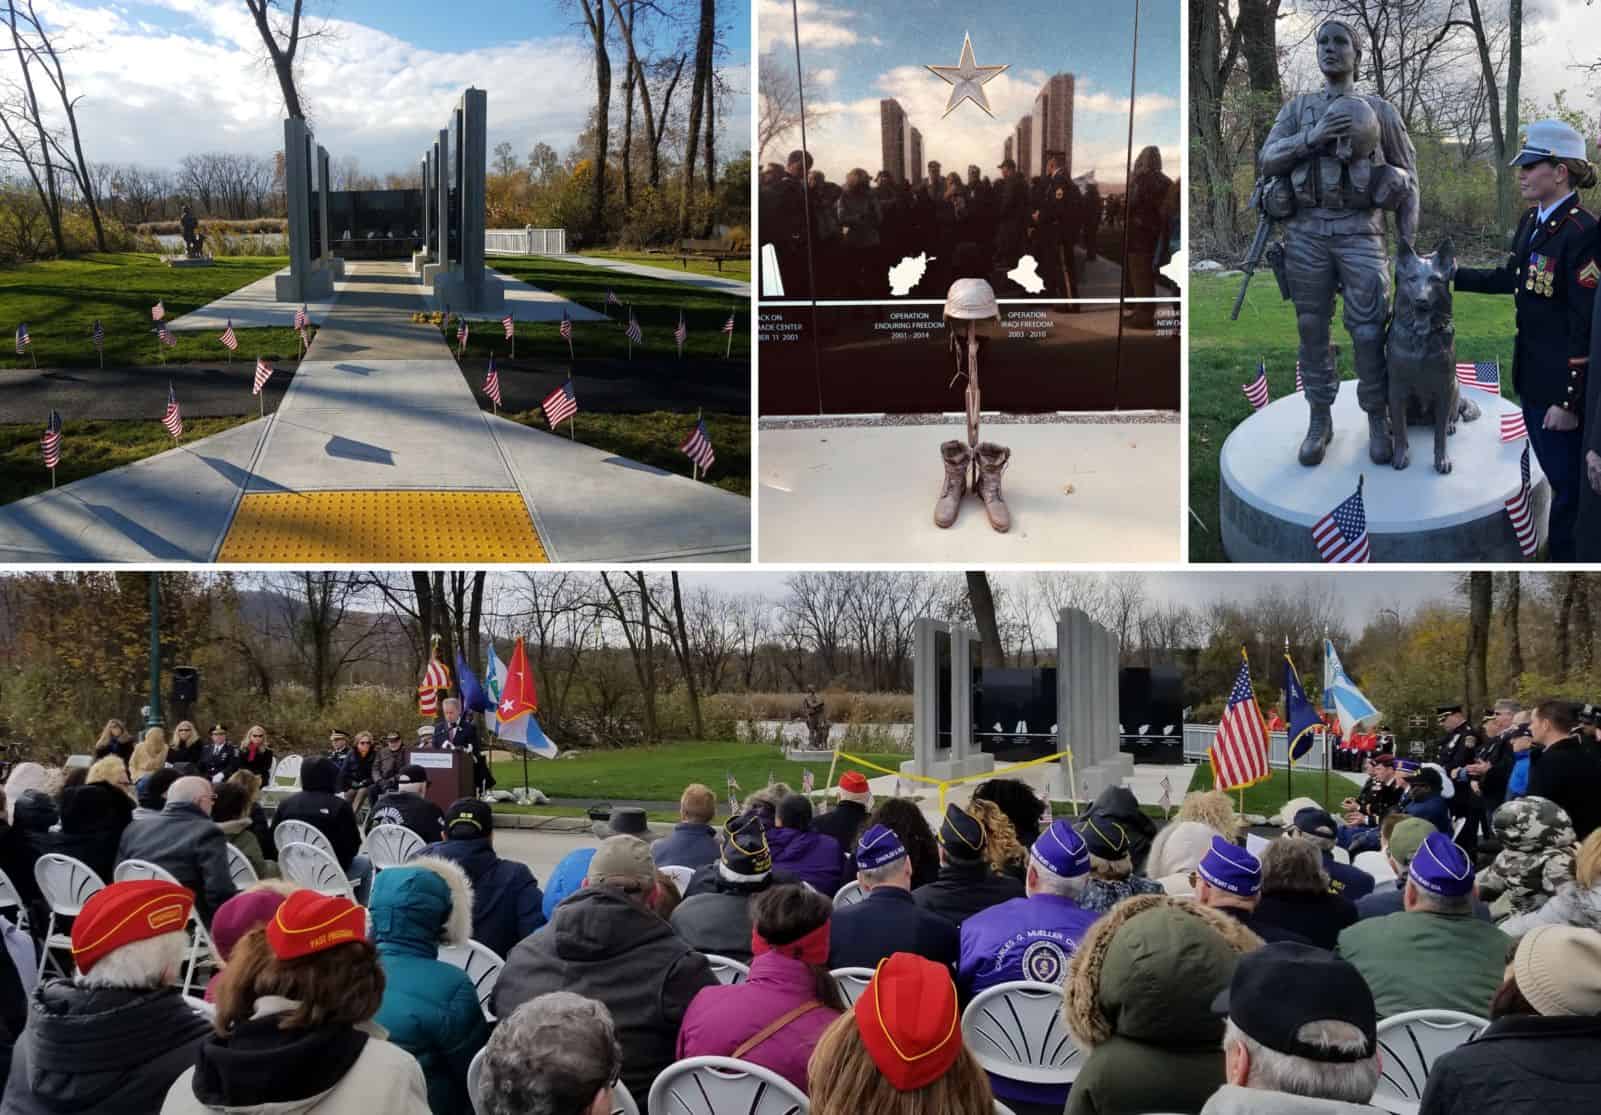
1536 858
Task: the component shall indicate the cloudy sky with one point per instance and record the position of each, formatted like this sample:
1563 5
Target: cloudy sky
856 53
162 78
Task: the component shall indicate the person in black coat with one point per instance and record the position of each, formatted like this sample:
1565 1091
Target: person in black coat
93 817
1296 902
1118 804
405 806
458 733
186 746
255 756
848 818
507 901
966 883
1552 273
320 806
1565 770
888 920
1589 527
219 755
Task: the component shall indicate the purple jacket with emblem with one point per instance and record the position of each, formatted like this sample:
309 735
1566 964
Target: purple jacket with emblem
813 857
719 1019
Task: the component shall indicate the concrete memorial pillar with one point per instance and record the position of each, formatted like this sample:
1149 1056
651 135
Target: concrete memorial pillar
419 258
1087 662
335 265
467 285
439 243
943 659
308 280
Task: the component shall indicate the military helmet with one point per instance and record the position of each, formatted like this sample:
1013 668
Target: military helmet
1363 138
971 300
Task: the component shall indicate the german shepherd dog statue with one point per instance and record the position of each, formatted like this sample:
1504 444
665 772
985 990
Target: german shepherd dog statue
1420 352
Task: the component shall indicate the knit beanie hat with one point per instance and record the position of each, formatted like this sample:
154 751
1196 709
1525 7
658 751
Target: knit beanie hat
1558 969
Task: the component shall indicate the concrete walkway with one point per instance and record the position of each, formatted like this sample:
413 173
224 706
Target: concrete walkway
737 287
377 409
252 306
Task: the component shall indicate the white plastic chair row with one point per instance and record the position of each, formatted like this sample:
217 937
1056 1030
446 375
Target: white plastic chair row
679 875
313 868
1409 1044
1376 864
849 895
66 884
721 1086
284 779
133 870
240 869
1016 1031
727 969
1341 855
299 832
390 845
622 1100
11 897
482 965
851 982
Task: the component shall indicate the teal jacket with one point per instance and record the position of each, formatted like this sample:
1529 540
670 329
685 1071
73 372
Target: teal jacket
1417 960
430 1007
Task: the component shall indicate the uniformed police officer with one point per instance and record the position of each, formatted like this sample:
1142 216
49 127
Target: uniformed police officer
1055 219
1552 273
1457 751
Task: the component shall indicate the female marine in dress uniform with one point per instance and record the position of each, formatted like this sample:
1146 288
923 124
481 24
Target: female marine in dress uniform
1552 272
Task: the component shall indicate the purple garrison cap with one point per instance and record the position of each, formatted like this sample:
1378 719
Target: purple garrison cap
1440 867
1061 851
1407 766
878 847
1231 868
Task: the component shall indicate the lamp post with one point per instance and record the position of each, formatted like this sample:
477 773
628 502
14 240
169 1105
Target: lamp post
153 715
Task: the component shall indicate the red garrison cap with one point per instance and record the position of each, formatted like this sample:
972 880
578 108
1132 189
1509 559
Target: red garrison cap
309 922
124 913
909 1022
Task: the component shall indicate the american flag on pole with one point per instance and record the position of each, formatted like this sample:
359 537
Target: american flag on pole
1519 511
560 405
263 374
492 382
173 419
511 326
728 326
1256 391
681 333
1484 375
301 320
633 332
51 441
1513 427
566 326
99 335
23 340
157 312
436 676
1342 535
164 335
229 341
698 447
1239 752
1300 384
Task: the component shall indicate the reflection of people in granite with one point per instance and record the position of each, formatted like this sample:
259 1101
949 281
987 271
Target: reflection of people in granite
1334 161
1011 218
1056 220
859 221
971 313
1147 233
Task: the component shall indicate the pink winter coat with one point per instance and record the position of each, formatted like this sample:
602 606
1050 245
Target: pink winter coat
720 1019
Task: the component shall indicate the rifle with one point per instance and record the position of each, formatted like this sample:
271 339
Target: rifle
1253 258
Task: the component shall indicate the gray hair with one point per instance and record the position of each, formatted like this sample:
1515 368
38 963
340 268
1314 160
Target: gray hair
139 966
190 788
550 1057
1293 865
878 876
1509 704
1063 886
1274 1071
1454 904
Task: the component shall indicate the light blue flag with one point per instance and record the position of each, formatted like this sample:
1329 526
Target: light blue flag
494 675
522 731
1341 694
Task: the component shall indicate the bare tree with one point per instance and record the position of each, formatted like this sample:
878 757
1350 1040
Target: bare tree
779 101
595 19
982 600
43 171
1476 687
634 620
282 42
699 100
1503 121
1511 606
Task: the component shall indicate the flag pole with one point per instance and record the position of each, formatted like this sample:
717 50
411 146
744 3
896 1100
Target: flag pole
1326 698
1290 748
728 349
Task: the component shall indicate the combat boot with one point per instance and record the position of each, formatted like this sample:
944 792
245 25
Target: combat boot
1380 447
956 458
1319 432
992 461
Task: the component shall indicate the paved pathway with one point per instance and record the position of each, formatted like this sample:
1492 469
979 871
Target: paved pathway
207 390
739 287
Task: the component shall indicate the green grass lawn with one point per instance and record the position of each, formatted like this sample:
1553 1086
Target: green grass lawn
60 300
87 448
1267 797
732 268
661 773
1223 357
656 303
653 438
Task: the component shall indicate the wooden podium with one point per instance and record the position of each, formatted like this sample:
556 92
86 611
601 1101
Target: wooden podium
450 774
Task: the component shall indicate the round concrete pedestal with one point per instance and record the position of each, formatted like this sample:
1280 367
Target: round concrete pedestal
1268 501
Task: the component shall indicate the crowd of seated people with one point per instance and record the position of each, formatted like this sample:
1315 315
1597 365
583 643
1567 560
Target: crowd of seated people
1195 974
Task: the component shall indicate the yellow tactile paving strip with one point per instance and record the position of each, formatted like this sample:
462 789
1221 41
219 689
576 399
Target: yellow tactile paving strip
366 526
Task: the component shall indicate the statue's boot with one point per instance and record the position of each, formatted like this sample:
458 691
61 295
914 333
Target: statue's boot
992 462
1319 432
1380 445
956 457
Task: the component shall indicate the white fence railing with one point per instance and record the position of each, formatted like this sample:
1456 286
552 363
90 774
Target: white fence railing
525 241
1198 741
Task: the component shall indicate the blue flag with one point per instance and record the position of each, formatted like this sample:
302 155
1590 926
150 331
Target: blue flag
1341 694
1303 716
473 696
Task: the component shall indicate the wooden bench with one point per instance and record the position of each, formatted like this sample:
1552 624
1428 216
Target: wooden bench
716 250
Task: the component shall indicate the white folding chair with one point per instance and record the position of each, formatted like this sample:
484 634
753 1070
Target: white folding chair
135 870
10 897
727 970
1341 855
66 884
482 965
1016 1031
391 845
1002 1109
240 870
1409 1044
722 1086
851 982
1376 864
679 875
622 1100
849 894
299 832
284 779
308 866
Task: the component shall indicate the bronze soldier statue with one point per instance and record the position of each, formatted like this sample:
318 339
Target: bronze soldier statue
812 708
1333 163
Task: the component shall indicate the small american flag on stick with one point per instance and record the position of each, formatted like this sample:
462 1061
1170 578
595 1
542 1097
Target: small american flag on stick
173 418
681 334
229 341
50 443
1300 384
1256 391
25 342
301 318
98 337
698 448
1521 514
164 335
728 328
635 335
461 336
492 383
560 405
157 312
1484 375
263 374
1513 426
1342 535
1239 751
510 326
567 332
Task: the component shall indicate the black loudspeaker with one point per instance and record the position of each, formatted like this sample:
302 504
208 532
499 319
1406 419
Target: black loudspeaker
185 685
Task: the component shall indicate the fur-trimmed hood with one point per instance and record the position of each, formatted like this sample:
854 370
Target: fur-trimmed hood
1153 979
426 903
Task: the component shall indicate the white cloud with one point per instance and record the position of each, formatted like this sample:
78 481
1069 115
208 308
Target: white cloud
826 76
821 26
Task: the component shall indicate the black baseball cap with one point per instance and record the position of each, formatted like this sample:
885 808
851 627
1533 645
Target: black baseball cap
414 773
471 816
1314 821
1282 986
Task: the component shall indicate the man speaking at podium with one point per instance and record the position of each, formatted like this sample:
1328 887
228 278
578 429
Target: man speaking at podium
457 733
